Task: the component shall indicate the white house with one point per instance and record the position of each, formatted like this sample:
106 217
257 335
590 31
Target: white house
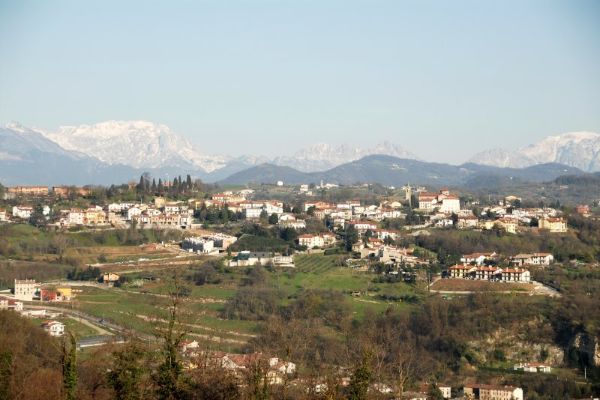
273 208
198 245
533 367
311 241
478 258
75 217
252 213
363 226
23 212
172 207
493 392
516 275
54 328
25 289
133 212
298 224
443 200
450 204
532 259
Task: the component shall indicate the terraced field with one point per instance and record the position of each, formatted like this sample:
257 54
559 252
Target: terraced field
142 312
315 263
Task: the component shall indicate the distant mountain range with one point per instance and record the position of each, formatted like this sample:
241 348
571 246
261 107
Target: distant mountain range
322 156
394 171
142 144
576 149
119 151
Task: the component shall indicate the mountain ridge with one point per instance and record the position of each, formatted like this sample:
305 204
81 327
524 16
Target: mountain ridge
71 155
576 149
393 171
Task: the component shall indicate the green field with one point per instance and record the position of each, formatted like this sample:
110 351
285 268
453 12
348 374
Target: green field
142 309
77 328
317 271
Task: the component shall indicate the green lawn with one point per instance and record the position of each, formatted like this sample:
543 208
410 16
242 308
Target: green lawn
78 329
317 271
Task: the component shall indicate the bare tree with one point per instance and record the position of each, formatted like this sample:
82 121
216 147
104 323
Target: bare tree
168 377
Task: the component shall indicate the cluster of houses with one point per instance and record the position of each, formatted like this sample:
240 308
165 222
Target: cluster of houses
518 260
484 266
208 243
442 201
444 209
277 370
440 209
345 212
30 290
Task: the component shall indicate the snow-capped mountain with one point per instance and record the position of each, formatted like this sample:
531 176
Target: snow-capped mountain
138 144
142 144
19 143
28 157
576 149
322 156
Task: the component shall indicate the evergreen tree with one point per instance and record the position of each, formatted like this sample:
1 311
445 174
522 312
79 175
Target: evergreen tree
264 216
350 237
37 217
361 379
434 392
273 219
126 373
6 368
225 214
69 368
141 185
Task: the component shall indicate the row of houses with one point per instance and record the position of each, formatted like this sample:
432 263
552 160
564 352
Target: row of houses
320 240
341 213
489 273
251 258
29 290
38 191
518 260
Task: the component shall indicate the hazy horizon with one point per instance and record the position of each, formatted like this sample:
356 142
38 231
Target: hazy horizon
443 80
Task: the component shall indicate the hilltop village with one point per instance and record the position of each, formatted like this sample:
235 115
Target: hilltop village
262 268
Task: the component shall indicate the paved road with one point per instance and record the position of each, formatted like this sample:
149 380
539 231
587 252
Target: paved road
99 340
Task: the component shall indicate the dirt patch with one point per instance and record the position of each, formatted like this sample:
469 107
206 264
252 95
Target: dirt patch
467 285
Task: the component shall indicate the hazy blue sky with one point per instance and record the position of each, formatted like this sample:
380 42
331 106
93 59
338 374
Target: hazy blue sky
443 78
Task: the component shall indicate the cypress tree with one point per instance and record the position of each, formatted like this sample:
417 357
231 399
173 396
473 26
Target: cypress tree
69 368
